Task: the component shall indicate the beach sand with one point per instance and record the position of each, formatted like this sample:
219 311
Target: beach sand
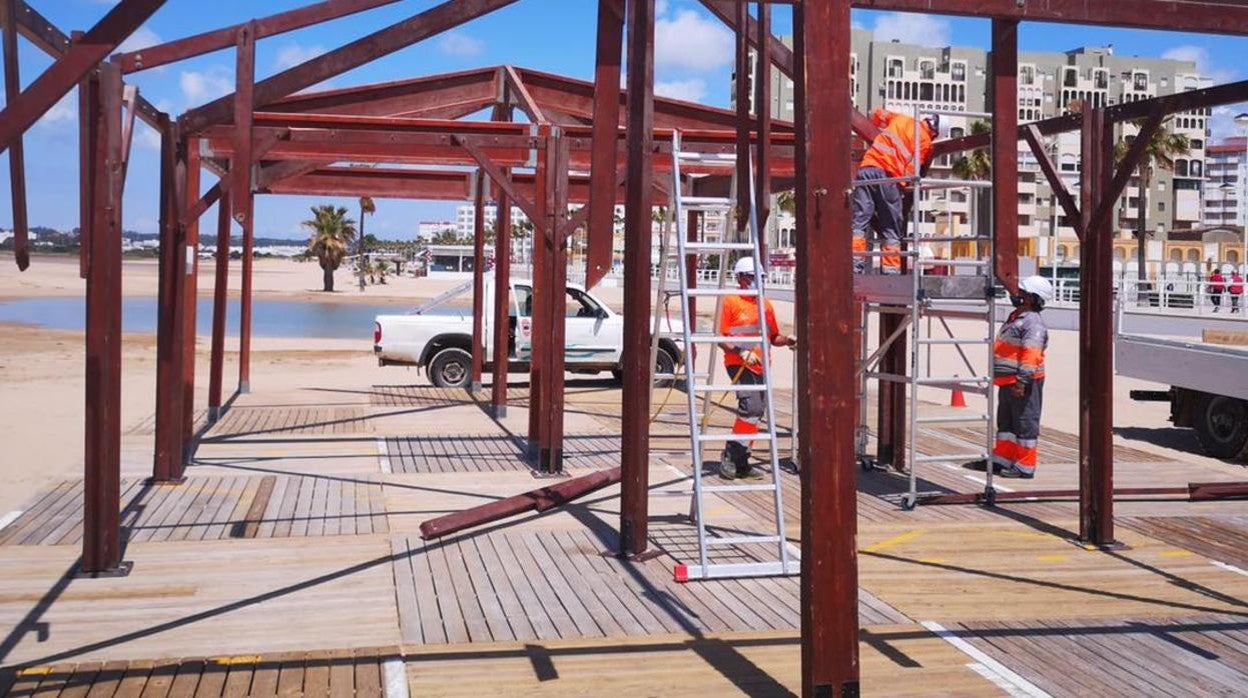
41 371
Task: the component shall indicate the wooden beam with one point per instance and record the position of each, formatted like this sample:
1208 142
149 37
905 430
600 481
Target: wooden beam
497 176
1056 183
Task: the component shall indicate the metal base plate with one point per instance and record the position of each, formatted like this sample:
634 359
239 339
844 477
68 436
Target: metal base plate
122 569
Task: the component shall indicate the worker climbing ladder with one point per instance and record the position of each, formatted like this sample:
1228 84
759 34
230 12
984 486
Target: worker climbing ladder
700 387
921 303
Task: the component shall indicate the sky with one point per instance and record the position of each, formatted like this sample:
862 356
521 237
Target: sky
693 57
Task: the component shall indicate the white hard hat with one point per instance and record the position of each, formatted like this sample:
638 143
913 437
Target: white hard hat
745 265
1039 286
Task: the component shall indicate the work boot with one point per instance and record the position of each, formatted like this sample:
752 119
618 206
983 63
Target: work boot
1012 473
890 271
727 467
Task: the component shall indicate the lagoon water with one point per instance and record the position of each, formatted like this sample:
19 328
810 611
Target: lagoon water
270 318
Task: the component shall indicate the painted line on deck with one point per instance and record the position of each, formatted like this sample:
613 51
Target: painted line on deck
9 518
383 456
896 540
396 678
1009 681
1229 568
982 481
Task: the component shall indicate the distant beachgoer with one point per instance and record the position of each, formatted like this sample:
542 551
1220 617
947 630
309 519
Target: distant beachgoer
1236 289
1216 287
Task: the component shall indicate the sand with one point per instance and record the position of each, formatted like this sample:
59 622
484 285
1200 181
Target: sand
41 371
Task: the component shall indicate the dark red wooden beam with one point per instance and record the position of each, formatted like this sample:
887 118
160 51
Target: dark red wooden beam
207 42
416 28
762 129
519 95
17 160
605 156
1056 183
190 300
550 449
220 288
380 183
1004 73
825 369
635 440
401 97
478 283
502 304
1125 169
167 457
66 71
742 126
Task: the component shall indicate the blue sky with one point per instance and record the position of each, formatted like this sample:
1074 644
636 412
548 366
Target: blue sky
693 62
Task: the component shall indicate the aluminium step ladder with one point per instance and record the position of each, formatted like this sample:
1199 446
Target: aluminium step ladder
702 386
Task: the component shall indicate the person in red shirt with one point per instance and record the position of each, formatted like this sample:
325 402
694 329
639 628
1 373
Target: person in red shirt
744 363
891 155
1235 289
1216 287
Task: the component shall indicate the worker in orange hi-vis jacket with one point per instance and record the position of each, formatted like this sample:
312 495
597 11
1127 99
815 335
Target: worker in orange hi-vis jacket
1018 372
891 155
744 363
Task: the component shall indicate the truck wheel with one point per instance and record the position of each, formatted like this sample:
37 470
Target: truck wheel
450 368
663 363
1222 426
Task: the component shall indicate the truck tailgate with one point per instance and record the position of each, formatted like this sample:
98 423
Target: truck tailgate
1192 364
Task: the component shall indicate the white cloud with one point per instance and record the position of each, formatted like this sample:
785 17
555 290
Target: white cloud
688 90
913 28
62 115
200 87
1204 62
146 137
293 54
692 41
140 39
660 8
460 45
1222 121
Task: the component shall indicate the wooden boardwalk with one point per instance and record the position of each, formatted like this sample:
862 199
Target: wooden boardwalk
289 562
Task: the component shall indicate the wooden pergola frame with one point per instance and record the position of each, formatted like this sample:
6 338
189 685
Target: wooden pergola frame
265 139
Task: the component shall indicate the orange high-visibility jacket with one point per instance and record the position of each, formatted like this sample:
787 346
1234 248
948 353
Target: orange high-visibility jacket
739 317
1018 356
893 150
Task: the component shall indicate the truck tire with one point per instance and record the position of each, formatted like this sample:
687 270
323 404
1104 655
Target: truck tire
1221 425
664 362
450 368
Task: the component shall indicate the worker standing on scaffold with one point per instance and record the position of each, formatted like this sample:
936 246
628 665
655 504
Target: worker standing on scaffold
744 364
891 155
1018 372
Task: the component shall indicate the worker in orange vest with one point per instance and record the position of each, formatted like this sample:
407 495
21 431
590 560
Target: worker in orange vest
891 155
744 363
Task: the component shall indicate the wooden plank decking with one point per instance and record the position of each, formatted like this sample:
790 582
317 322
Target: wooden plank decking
291 554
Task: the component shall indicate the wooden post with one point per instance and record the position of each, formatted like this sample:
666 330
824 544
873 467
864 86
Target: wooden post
219 307
478 285
190 301
167 461
502 305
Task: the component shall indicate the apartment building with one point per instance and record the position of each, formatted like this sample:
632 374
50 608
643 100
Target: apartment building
1226 176
466 218
903 77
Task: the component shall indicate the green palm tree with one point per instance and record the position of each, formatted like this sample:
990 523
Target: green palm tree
332 234
1160 152
787 201
366 206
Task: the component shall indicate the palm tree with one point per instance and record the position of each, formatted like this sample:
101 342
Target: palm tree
786 201
332 234
977 166
1160 152
366 206
382 267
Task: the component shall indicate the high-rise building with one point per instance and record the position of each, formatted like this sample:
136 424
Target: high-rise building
466 218
903 77
1227 174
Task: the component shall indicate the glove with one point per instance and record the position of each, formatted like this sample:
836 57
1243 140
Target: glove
751 359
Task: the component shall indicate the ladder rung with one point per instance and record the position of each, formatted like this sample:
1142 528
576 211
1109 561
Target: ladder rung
957 262
705 201
952 419
885 253
760 436
724 339
684 573
727 388
955 380
719 489
667 376
722 291
984 340
742 540
953 238
952 456
691 247
695 156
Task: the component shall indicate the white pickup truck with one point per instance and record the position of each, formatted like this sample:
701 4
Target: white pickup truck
442 342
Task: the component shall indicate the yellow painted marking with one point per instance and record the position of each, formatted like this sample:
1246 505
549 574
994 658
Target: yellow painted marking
1177 553
1052 558
896 540
35 671
933 561
231 661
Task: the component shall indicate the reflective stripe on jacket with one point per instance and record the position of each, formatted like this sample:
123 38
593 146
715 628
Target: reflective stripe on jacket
893 150
1018 356
739 318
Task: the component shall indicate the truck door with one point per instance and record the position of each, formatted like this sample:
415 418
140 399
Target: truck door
521 331
590 340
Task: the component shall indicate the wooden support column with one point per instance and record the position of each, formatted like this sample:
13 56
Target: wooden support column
478 284
540 332
17 166
762 117
1096 328
167 461
220 288
741 75
550 455
101 541
891 406
635 440
190 301
604 159
1005 150
825 370
503 331
243 197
